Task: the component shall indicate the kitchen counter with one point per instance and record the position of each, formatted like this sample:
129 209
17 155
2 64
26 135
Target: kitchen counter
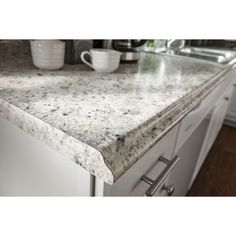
105 123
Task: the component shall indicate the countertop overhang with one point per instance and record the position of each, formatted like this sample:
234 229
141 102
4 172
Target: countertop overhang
105 123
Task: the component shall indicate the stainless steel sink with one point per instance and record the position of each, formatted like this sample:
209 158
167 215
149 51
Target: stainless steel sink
214 55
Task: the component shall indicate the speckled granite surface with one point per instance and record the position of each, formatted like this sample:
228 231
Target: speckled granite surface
105 122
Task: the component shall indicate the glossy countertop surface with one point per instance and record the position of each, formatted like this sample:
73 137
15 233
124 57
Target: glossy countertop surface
104 122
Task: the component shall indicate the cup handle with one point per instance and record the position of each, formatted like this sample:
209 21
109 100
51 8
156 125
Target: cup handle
83 59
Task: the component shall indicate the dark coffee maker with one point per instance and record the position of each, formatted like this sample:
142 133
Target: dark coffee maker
130 48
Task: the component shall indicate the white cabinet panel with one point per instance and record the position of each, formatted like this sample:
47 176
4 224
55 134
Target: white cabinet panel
30 168
181 176
198 131
216 122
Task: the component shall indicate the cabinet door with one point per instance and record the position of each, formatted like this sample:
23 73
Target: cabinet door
216 122
181 176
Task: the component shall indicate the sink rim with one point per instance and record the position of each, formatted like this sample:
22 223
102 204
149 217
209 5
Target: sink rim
218 56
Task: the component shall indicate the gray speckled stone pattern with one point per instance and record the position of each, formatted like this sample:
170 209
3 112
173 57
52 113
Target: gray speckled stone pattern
104 122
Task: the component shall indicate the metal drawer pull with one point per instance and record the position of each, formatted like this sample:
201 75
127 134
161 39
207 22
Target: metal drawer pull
155 184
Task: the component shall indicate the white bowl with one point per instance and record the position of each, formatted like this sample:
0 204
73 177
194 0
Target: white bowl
48 54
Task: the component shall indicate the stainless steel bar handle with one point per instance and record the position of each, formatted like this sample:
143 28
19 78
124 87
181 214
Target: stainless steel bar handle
155 184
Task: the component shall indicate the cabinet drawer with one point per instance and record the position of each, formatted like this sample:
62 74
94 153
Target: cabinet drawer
130 183
194 118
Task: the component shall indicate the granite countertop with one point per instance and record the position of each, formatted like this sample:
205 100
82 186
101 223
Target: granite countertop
105 122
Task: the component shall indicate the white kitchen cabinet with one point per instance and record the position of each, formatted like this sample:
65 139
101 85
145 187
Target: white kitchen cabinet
131 183
198 131
30 168
216 122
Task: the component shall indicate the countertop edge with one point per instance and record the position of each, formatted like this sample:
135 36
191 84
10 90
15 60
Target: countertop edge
73 149
157 129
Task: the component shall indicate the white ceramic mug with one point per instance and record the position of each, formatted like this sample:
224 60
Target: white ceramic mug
102 60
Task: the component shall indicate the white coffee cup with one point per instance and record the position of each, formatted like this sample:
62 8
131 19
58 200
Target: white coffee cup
102 60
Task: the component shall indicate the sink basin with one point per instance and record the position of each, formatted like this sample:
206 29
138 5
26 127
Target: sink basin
214 55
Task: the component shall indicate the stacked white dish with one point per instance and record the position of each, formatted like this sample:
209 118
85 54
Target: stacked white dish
48 54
